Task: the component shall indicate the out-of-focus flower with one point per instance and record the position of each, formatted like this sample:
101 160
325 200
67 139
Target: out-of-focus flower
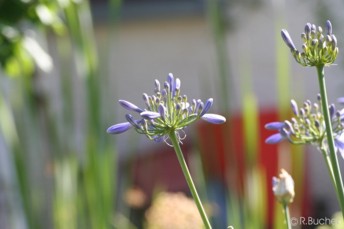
318 48
166 111
283 187
135 197
308 126
336 222
184 214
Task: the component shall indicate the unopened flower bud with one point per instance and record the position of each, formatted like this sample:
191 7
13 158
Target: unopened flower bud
308 28
329 27
283 187
287 39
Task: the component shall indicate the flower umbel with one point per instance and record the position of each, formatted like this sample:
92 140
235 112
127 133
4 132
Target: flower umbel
308 126
283 187
166 111
318 48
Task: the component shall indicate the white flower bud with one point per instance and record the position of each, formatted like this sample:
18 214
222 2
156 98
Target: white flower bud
283 187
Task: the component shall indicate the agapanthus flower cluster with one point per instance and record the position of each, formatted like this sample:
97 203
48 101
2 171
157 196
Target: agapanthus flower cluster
167 110
308 126
318 48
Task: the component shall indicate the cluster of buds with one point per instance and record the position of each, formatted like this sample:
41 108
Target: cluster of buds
318 48
283 188
166 111
308 125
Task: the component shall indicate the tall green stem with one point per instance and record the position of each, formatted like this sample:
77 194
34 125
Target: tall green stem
188 178
330 140
287 215
329 166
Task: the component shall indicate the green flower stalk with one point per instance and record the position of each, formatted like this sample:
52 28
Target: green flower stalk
320 50
165 117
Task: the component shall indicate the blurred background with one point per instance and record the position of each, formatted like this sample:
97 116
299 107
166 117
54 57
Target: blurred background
66 63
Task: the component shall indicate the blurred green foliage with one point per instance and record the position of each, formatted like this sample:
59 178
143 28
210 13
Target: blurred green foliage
17 18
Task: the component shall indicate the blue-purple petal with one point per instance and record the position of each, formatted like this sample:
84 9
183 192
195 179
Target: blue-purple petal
149 114
287 39
274 125
119 128
170 80
207 106
132 121
339 142
340 100
332 110
308 28
275 138
294 107
129 106
162 110
329 27
214 118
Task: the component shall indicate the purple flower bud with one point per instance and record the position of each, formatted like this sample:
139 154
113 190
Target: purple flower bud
214 118
199 106
304 47
145 97
328 38
167 86
313 28
149 114
162 111
285 133
308 122
157 85
287 39
339 142
207 106
289 126
303 37
164 92
332 110
170 80
132 121
274 125
275 138
129 106
302 112
334 41
329 27
308 28
119 128
317 124
314 42
338 114
319 97
340 100
294 107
